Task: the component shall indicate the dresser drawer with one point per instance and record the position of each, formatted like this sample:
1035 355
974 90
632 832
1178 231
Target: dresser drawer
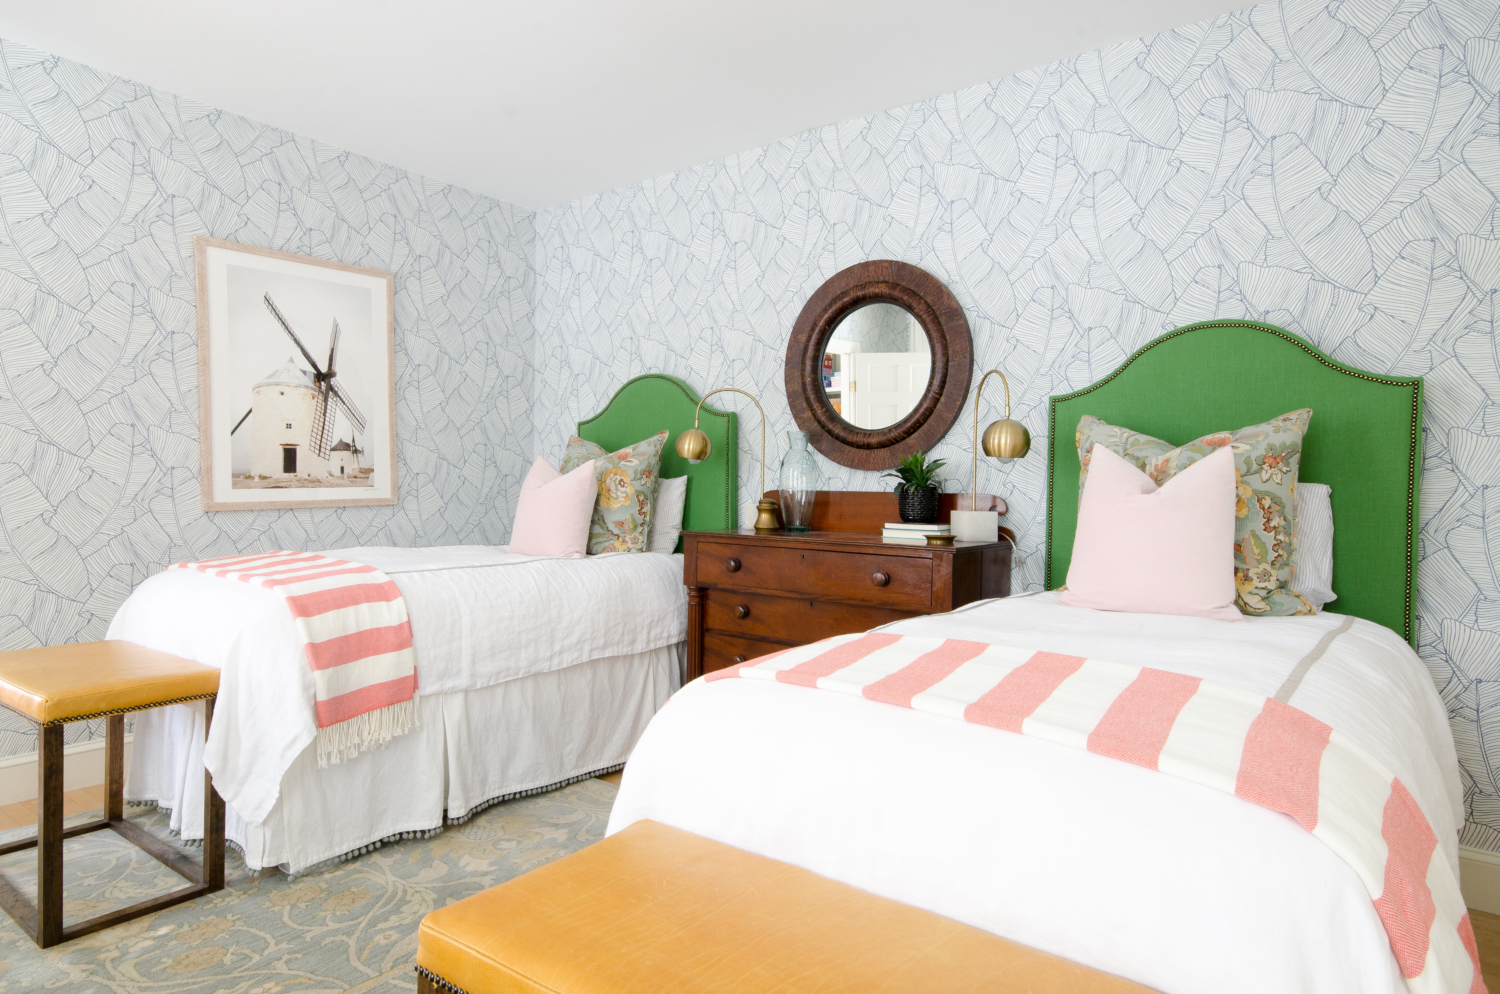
798 620
904 581
720 651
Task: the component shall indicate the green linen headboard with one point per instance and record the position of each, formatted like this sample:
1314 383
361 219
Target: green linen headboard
649 403
1364 441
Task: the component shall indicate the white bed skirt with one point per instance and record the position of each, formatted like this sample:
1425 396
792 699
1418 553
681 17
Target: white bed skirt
471 747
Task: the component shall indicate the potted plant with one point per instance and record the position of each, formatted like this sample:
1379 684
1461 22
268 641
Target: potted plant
917 491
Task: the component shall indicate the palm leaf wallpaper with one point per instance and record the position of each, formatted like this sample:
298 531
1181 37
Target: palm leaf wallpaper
103 185
1332 168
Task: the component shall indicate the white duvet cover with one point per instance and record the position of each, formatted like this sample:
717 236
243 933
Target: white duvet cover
480 616
1173 885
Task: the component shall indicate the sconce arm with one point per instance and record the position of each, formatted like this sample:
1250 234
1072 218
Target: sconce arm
762 411
974 496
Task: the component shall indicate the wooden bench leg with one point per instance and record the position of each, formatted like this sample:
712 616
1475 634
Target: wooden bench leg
213 817
114 767
43 920
49 836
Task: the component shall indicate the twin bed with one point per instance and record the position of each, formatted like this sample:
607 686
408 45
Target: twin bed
1169 883
1173 885
532 672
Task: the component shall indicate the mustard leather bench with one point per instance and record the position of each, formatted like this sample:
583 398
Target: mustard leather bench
657 909
60 684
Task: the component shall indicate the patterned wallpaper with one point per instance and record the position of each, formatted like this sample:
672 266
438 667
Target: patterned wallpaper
1329 168
103 185
1332 169
881 328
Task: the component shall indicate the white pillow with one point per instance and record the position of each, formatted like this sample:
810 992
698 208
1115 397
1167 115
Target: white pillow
1313 555
666 523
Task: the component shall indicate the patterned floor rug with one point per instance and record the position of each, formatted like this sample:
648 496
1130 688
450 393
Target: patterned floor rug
350 928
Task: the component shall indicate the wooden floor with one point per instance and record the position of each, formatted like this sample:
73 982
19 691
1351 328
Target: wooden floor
1487 937
613 778
23 813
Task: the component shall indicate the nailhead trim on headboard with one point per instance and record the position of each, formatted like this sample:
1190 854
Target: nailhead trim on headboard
1412 449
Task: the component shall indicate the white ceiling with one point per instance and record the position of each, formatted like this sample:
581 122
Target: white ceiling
544 101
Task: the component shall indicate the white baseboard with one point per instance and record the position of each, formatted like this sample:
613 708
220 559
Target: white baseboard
83 766
1481 879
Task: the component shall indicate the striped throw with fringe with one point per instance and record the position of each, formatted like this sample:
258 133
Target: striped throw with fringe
357 637
1255 747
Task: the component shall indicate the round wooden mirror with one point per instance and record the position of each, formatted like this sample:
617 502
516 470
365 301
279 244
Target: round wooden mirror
879 364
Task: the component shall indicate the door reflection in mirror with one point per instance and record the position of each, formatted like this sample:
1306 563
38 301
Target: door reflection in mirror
876 365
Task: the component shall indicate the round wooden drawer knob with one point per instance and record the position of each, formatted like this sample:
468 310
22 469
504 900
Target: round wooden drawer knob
733 565
739 659
880 578
742 611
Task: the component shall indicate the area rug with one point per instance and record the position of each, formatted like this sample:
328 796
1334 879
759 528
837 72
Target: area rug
349 928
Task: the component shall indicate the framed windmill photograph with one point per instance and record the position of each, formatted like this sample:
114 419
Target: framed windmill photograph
297 380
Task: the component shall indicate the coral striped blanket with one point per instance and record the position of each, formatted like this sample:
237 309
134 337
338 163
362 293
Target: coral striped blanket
357 636
1220 736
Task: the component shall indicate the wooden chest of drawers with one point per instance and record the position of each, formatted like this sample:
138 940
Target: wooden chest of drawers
749 594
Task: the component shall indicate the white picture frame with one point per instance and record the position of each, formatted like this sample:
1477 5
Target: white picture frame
296 380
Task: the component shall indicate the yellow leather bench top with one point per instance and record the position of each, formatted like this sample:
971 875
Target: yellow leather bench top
66 682
657 909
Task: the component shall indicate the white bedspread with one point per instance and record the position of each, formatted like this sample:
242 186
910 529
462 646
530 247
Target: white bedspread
1173 885
480 616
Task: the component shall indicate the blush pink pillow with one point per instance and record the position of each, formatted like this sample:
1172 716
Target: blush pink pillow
552 518
1156 551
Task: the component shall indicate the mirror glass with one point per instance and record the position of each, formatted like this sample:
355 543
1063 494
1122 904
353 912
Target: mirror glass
876 365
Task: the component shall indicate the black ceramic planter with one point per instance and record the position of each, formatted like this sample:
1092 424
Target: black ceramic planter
918 505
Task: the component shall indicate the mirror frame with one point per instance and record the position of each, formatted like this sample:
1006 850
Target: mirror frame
948 338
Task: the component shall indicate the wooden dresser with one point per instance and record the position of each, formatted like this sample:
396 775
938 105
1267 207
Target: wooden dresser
749 594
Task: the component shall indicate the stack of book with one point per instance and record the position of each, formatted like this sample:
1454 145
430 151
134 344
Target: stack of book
911 533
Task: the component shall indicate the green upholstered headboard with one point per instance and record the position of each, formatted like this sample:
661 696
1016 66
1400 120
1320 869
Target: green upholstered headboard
649 403
1364 442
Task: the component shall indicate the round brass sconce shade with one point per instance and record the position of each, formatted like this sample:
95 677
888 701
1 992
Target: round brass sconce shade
694 446
1004 439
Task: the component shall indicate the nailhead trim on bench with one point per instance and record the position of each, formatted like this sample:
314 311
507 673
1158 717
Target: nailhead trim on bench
440 982
106 714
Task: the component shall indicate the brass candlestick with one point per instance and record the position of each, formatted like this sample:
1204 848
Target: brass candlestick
694 446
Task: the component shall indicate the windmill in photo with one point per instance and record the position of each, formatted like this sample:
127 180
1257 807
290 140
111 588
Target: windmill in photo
292 416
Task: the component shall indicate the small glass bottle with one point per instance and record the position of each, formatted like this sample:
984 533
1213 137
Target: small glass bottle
798 483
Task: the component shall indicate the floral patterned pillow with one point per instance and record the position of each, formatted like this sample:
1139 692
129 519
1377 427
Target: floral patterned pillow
1267 457
627 491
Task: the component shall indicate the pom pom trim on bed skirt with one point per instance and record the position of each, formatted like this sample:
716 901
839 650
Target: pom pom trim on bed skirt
448 822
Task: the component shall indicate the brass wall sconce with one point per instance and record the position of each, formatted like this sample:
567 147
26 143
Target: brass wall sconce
1003 439
695 447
